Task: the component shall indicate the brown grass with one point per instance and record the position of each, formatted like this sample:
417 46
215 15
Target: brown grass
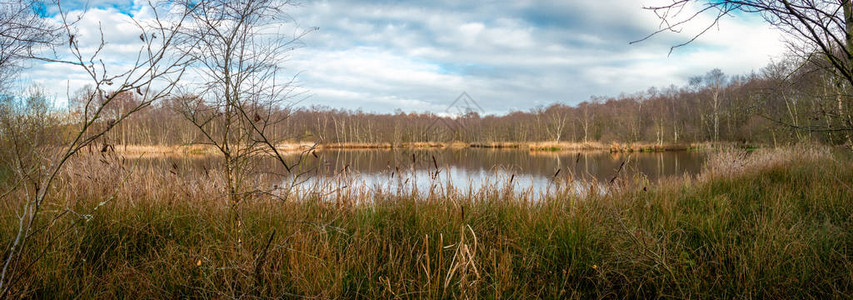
497 145
566 146
356 146
766 224
295 147
134 151
424 145
164 150
648 147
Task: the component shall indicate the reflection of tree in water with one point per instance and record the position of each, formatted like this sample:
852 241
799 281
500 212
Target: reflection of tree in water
465 167
592 165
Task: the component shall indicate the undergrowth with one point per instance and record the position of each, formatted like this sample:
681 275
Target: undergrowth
763 224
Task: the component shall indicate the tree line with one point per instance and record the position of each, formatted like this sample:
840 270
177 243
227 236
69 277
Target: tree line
785 102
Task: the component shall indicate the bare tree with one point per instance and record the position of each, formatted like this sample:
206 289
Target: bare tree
22 34
556 121
588 117
716 81
240 101
152 76
821 28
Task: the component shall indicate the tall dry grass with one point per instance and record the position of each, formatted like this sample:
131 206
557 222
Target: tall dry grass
299 147
768 224
567 146
627 147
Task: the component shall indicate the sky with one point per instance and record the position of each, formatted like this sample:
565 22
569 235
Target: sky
418 56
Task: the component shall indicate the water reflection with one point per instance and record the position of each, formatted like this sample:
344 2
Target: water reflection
354 174
431 171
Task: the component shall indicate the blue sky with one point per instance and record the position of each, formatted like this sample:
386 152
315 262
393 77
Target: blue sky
381 56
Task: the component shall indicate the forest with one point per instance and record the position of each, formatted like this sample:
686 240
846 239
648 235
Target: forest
787 102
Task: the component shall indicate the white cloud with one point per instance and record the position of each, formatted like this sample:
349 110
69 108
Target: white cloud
517 54
415 56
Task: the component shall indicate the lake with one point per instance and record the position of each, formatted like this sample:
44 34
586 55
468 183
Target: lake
427 171
359 174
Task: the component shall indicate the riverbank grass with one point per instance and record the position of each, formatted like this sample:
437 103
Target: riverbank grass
765 224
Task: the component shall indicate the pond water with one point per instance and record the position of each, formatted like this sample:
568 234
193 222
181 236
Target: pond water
354 174
370 171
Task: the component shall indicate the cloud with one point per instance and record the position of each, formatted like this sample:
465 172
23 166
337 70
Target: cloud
508 55
120 48
513 54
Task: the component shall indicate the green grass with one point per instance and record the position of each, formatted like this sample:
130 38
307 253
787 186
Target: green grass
778 225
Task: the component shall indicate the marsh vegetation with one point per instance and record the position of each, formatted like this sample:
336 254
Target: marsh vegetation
769 223
189 173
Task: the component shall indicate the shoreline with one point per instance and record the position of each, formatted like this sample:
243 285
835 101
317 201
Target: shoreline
298 147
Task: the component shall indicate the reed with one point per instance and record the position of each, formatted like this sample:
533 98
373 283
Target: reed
432 145
160 150
297 147
762 224
356 146
187 150
567 146
497 145
626 147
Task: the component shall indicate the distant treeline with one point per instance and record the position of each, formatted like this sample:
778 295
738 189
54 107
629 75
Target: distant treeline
784 102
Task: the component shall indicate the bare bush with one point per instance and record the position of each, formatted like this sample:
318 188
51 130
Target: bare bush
40 160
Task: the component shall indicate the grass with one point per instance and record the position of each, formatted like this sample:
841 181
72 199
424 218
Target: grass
296 147
190 150
356 146
764 224
566 146
497 145
627 147
654 147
